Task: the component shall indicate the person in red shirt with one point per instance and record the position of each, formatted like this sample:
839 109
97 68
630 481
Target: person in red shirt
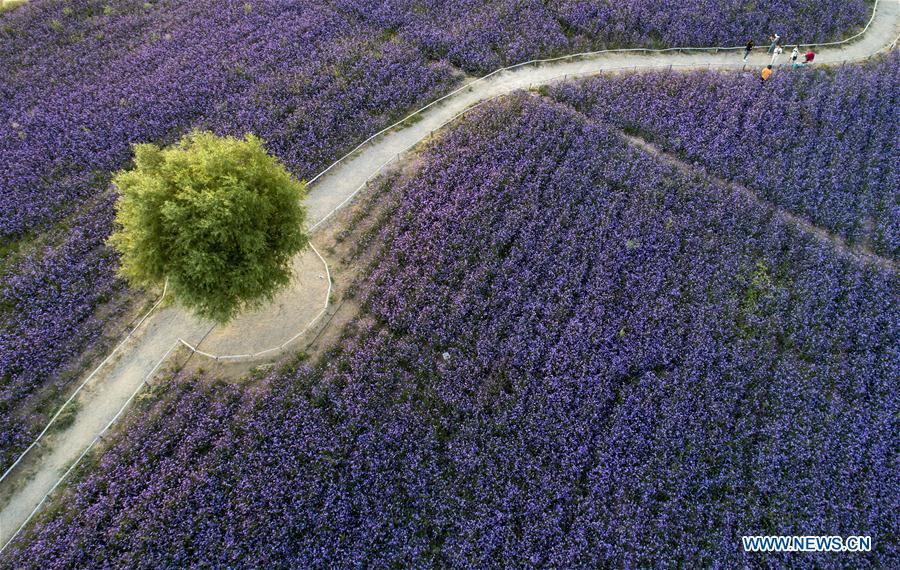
809 57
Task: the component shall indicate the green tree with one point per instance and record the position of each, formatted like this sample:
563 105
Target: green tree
218 217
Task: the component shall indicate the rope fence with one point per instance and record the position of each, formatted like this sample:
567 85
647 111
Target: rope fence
90 446
688 66
85 383
280 348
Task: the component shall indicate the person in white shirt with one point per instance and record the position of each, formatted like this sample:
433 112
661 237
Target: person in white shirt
776 54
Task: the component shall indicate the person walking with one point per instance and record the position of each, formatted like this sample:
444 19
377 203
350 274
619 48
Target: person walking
748 49
766 74
794 55
809 57
775 39
775 55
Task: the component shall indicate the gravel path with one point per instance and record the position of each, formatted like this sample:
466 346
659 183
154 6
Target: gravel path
109 391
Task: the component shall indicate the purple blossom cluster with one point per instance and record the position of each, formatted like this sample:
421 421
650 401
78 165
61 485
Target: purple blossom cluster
712 22
570 354
476 35
820 143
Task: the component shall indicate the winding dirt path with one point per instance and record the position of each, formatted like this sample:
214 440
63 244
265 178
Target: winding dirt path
824 236
109 389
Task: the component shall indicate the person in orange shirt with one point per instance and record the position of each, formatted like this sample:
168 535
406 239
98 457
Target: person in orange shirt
766 73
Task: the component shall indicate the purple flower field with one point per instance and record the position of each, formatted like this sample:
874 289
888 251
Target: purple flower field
642 367
821 143
73 110
80 81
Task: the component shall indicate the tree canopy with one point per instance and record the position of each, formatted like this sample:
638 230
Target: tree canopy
216 216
